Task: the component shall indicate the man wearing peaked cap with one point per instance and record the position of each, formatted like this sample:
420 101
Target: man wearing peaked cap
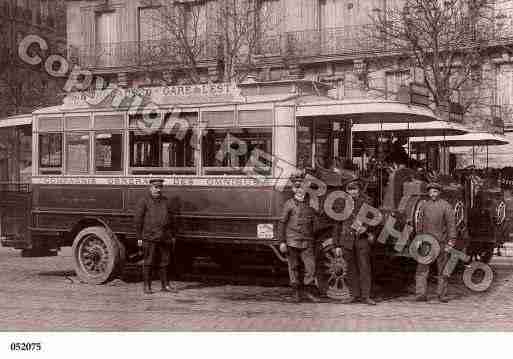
297 242
353 242
434 185
437 219
156 181
155 228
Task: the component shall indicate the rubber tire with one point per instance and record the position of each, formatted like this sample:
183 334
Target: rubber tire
114 248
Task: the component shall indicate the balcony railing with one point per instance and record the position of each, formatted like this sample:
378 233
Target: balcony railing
345 41
141 53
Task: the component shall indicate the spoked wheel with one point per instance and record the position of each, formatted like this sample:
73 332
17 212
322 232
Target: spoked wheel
97 255
332 272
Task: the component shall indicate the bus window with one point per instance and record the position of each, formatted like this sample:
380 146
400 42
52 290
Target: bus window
177 152
50 153
108 153
227 151
322 143
162 152
304 144
77 152
16 153
7 141
25 162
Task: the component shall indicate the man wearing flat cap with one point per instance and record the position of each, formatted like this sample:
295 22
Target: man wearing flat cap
297 241
155 228
353 241
437 219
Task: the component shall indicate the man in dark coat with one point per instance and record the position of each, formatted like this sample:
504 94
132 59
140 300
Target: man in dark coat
354 245
436 219
155 228
297 241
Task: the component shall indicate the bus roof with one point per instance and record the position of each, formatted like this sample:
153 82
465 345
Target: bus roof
247 100
430 128
17 120
367 111
307 105
469 139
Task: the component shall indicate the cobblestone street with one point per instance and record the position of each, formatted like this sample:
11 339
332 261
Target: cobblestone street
43 294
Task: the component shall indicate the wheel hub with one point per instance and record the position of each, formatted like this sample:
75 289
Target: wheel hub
94 255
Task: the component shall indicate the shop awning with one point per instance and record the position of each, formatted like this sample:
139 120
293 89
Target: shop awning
468 139
366 111
431 128
18 120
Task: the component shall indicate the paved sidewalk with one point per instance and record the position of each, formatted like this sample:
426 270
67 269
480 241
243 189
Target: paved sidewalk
43 294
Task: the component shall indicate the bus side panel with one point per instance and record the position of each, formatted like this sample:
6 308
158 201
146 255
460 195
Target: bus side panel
232 215
220 214
79 197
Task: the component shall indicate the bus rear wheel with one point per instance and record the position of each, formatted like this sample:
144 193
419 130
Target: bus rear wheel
97 255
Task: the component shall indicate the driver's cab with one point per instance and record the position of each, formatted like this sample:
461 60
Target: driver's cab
323 144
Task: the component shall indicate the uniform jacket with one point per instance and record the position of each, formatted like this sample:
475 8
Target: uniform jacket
154 219
437 219
345 236
297 222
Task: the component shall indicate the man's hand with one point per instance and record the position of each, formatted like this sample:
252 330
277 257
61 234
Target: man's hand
370 238
361 230
139 243
358 227
338 252
283 248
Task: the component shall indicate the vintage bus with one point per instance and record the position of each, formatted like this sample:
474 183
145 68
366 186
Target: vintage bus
226 154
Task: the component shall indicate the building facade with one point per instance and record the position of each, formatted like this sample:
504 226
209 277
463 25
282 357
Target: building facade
323 40
24 87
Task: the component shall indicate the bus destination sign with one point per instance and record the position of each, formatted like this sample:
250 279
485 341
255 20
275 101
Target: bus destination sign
160 95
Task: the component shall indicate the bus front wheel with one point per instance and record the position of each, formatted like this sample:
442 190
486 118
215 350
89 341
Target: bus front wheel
97 255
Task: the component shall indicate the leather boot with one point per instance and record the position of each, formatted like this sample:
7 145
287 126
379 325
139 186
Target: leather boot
311 295
147 280
442 289
296 297
164 282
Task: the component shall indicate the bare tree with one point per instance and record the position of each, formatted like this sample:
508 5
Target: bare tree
24 89
228 32
446 40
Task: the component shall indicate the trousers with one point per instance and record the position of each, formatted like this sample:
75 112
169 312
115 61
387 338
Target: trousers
156 254
422 273
296 257
359 269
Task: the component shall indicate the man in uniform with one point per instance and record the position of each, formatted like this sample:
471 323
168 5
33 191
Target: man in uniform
297 241
155 228
436 219
356 247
